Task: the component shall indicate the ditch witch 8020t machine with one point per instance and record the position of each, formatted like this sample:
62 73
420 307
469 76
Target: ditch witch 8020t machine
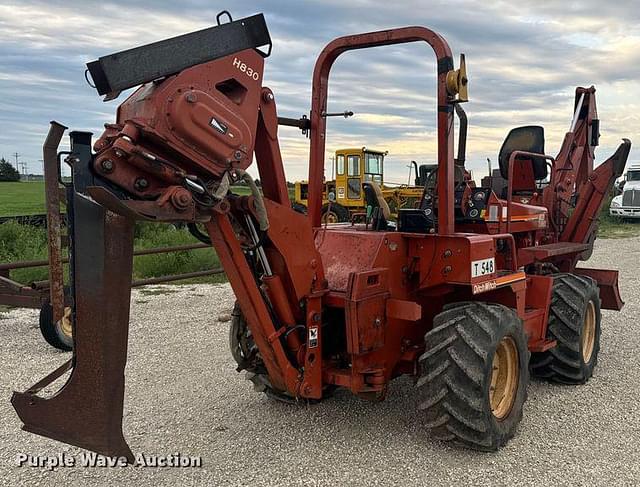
467 293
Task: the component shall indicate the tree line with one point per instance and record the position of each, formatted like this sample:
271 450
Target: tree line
8 172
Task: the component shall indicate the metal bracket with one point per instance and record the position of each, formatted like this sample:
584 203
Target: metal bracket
303 123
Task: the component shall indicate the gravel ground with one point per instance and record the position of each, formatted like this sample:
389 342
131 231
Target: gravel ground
183 395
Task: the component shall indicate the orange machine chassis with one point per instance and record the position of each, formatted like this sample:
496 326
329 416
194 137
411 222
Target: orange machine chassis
343 306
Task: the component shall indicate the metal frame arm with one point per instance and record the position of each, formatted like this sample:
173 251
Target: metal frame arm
445 112
512 160
583 221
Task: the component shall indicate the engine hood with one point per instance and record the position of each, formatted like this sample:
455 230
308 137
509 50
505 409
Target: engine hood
631 185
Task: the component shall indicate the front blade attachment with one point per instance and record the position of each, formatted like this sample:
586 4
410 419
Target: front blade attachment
87 411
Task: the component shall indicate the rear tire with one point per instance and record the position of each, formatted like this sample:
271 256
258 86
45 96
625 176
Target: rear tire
574 322
464 399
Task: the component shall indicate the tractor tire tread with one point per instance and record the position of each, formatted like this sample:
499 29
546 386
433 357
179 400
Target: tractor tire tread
455 368
341 212
564 363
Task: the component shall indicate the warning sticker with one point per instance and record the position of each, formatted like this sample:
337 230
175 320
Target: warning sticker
313 337
218 125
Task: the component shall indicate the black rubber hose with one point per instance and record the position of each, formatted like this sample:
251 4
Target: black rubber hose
198 234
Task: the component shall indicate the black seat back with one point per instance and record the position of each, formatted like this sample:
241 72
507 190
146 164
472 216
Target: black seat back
379 207
530 139
423 173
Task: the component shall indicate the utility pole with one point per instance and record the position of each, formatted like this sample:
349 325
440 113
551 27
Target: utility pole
16 155
23 170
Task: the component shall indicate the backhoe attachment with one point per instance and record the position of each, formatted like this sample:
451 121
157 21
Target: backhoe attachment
582 224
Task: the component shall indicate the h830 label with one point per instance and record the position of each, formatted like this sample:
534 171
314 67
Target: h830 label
249 71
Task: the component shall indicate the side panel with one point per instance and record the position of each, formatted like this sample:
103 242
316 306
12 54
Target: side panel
538 300
292 236
365 311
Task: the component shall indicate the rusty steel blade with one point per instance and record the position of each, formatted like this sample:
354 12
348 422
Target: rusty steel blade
52 193
87 410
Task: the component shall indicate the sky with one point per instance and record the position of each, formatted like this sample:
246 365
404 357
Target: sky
524 60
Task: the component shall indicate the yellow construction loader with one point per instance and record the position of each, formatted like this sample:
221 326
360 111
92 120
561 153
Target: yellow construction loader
343 196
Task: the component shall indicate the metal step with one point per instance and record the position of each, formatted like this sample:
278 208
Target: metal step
527 255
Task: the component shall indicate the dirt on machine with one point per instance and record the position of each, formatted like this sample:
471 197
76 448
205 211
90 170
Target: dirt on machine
470 292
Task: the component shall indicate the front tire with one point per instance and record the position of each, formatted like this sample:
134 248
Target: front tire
574 322
60 334
474 375
335 213
246 354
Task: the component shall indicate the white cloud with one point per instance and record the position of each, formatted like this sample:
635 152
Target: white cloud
31 78
524 63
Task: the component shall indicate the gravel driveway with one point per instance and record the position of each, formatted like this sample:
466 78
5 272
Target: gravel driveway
184 395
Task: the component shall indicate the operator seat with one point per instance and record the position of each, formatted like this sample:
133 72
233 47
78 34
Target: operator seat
526 169
377 208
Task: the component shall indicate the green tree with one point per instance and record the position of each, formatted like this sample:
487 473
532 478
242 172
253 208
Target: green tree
8 172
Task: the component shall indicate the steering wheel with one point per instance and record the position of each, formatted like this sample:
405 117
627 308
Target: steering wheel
431 183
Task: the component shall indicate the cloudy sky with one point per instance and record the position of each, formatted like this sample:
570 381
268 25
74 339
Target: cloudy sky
524 61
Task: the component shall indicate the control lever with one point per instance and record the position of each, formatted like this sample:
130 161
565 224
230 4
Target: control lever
304 124
345 114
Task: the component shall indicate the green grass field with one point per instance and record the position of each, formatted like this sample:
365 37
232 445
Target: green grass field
21 198
22 242
27 198
19 242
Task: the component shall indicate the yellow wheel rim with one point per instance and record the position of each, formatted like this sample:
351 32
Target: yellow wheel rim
504 378
329 217
65 322
588 338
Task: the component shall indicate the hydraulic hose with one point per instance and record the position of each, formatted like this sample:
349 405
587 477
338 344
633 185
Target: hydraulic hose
261 211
